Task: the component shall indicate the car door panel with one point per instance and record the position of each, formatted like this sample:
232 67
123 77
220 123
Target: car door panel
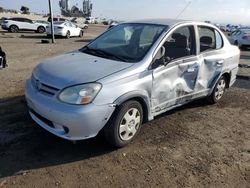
174 84
210 71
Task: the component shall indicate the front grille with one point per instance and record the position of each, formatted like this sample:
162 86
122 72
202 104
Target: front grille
43 88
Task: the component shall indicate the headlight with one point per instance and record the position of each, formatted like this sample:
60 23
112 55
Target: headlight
80 94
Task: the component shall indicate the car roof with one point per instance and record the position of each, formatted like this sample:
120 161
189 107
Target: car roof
167 22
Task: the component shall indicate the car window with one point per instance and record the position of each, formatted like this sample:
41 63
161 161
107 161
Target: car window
181 43
219 40
18 19
148 35
27 20
207 38
129 42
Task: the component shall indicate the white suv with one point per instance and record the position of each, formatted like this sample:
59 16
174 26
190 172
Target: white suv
14 25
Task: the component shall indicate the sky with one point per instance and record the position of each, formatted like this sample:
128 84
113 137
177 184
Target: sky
217 11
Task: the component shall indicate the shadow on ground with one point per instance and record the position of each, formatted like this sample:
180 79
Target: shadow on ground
25 146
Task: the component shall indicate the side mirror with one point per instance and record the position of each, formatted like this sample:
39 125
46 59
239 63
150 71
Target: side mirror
160 58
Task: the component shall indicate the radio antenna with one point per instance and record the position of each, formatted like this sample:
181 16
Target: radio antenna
183 10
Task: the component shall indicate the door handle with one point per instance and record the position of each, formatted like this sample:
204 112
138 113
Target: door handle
220 62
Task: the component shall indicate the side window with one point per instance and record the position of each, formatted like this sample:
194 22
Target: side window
207 39
181 43
18 19
219 40
28 20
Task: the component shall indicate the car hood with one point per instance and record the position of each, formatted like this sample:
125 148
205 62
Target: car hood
76 68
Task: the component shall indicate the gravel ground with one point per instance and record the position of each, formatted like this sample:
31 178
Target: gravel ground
197 145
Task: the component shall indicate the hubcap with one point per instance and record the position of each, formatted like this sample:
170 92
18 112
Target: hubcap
220 89
129 124
41 30
14 29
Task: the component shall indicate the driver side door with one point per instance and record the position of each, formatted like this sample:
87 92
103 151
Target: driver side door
174 83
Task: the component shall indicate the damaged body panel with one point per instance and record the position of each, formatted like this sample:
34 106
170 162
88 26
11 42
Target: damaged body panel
134 71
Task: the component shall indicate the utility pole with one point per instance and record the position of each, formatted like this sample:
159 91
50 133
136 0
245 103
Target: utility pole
51 22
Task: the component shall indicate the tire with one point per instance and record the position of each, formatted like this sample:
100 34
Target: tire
218 91
41 29
81 34
125 124
13 29
68 34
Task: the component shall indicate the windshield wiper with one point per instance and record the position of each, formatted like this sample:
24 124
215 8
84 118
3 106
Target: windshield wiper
102 53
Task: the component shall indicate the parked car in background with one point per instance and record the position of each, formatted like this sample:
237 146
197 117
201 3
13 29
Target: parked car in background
113 24
240 38
129 75
57 19
65 29
23 24
90 20
42 22
80 23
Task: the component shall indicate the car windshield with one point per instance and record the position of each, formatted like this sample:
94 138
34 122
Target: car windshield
126 42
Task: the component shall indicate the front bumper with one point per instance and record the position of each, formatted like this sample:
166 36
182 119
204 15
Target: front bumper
5 27
70 122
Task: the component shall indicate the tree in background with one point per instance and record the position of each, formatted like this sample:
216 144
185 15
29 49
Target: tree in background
25 10
1 9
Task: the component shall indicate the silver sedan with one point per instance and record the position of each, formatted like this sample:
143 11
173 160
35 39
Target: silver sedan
129 75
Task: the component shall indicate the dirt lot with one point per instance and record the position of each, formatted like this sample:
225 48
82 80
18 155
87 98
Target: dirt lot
198 145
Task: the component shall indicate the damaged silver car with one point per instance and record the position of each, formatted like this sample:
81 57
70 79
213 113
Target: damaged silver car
129 75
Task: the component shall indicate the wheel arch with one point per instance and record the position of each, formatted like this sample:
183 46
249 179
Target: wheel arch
227 76
143 99
13 25
41 26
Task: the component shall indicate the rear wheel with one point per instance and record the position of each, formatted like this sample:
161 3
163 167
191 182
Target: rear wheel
41 29
68 35
218 91
14 29
125 124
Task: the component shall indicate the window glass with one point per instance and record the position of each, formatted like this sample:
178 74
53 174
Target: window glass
219 40
148 35
181 43
207 39
127 42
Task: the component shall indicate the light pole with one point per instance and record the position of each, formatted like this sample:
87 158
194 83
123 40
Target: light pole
51 22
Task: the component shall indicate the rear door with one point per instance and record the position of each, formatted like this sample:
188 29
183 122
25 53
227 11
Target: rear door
29 25
175 83
212 58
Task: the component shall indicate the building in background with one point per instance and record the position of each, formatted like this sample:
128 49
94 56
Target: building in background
71 8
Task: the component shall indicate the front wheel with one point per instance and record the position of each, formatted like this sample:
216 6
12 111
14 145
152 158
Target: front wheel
14 29
68 35
125 124
41 29
218 91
